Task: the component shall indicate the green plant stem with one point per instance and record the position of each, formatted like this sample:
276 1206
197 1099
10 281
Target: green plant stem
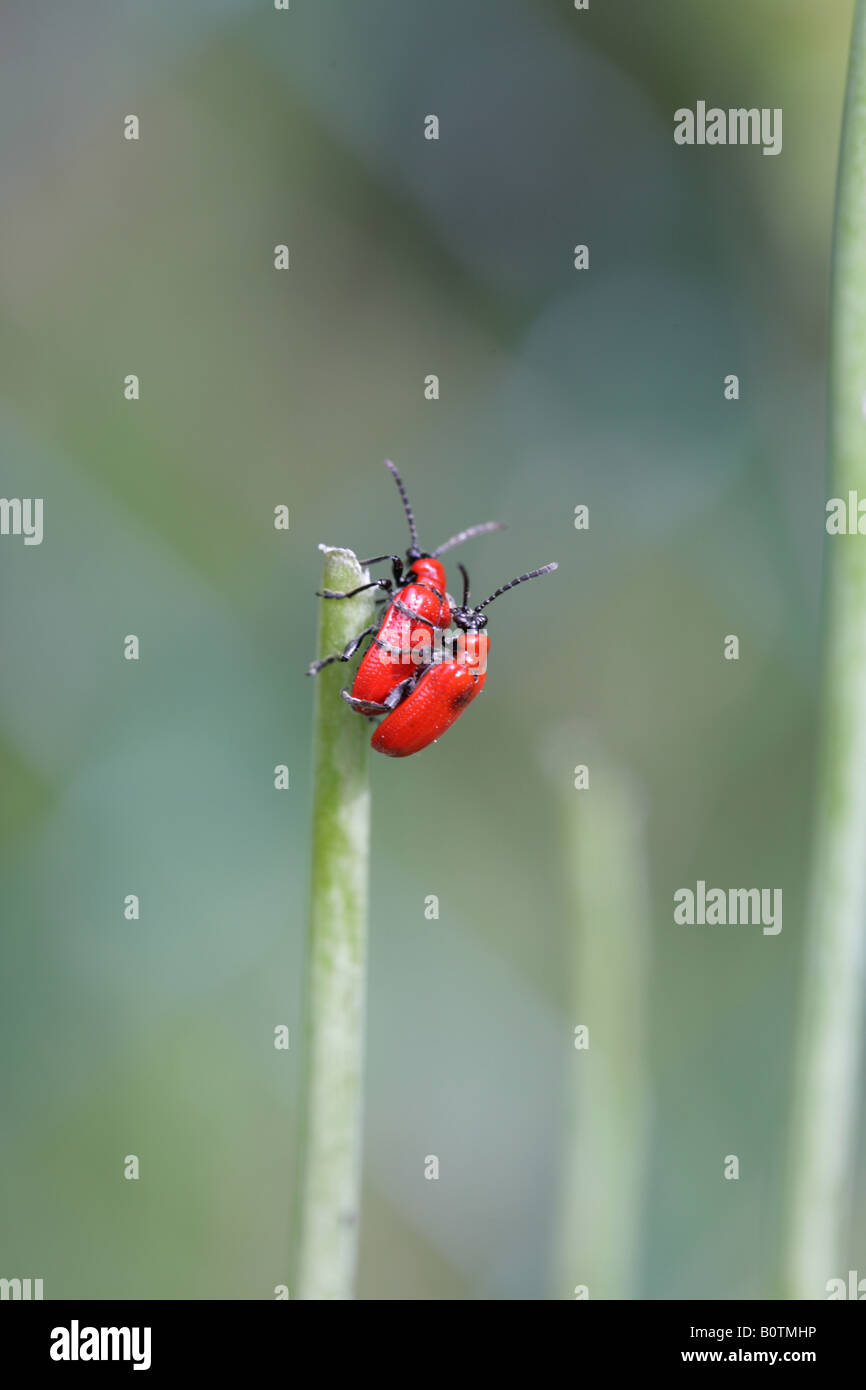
831 1026
599 1212
330 1168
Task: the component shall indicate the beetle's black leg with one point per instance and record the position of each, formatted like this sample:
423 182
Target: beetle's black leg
391 700
400 691
396 566
346 654
377 560
351 647
369 707
375 584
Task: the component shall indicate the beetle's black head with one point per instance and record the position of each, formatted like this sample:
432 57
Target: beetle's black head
469 619
473 619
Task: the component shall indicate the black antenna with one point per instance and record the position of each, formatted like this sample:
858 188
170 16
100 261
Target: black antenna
410 517
462 536
512 583
465 586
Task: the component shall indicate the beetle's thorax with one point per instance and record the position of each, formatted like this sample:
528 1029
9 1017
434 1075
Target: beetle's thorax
427 570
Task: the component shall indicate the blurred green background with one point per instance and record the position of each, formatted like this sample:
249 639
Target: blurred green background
258 388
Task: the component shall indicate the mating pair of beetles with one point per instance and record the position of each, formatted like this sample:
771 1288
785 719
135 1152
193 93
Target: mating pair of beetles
419 704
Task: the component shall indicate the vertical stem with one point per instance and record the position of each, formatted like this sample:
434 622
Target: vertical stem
599 1214
831 1023
330 1168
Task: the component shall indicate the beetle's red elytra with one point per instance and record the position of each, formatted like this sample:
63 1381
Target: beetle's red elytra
421 606
445 689
442 694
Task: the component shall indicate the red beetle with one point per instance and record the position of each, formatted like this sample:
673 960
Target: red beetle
443 690
418 606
